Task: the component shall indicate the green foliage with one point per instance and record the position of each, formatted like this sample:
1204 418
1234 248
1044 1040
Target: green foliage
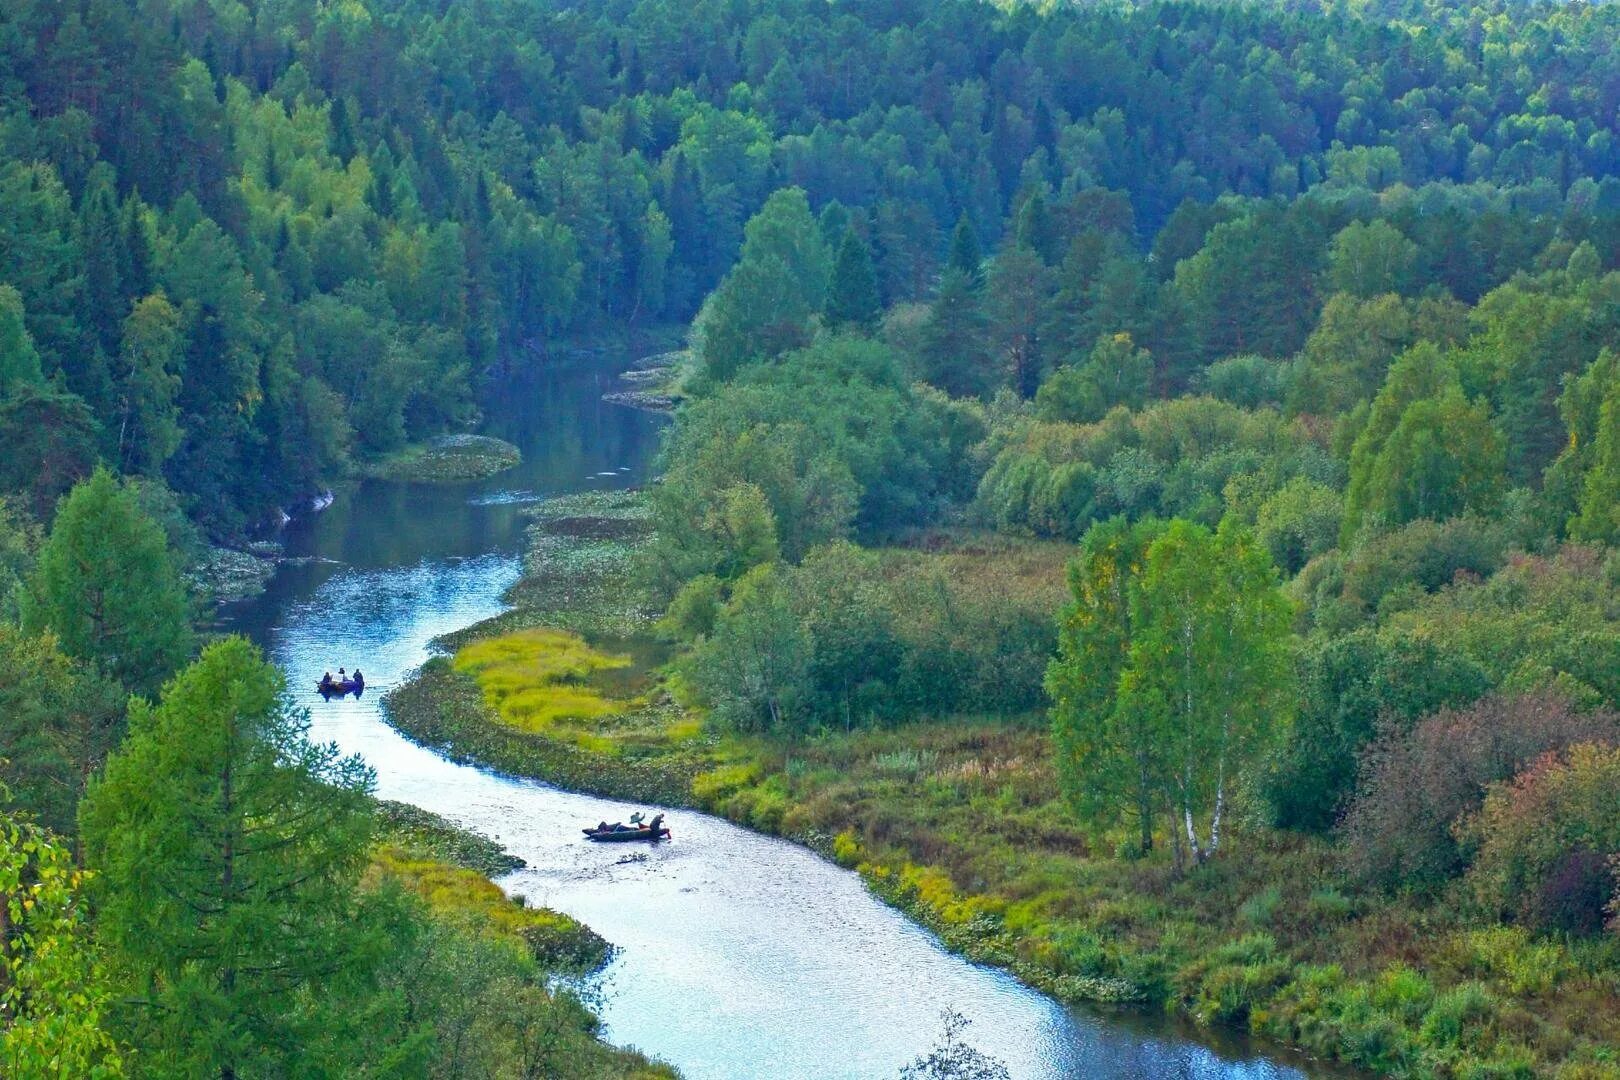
1349 685
1298 522
1171 678
221 836
1426 451
750 471
1107 762
592 182
1347 355
882 637
1371 259
58 720
1599 516
1172 458
19 360
47 444
149 381
1115 374
953 348
106 585
752 668
764 306
19 541
55 996
966 257
1246 381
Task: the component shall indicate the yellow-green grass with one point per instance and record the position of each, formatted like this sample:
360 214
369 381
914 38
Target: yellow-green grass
538 679
558 941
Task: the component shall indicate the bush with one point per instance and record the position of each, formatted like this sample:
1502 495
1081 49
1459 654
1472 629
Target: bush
1545 836
1351 684
1170 458
1245 381
1427 554
1416 784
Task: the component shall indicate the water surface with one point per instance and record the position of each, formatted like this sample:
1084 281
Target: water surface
739 956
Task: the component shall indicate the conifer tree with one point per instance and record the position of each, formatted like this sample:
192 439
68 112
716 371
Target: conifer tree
106 585
19 360
966 256
228 851
952 347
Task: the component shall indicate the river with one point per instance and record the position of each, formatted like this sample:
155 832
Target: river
739 955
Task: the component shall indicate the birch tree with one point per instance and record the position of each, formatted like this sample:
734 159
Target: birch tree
1109 758
1207 668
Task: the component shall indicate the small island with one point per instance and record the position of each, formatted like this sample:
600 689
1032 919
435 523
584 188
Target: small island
447 459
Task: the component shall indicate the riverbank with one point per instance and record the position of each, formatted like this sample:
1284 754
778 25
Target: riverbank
546 955
959 825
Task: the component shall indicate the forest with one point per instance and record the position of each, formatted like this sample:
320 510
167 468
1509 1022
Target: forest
1183 435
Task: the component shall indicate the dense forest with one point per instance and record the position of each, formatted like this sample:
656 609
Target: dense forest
1293 328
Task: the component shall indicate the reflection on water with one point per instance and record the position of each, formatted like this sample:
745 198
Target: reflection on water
740 956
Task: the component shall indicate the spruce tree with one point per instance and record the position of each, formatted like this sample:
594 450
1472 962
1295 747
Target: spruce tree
952 350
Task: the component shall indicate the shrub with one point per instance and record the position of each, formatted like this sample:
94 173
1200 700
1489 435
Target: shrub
1453 1012
1416 784
1261 908
1543 839
1351 684
1427 554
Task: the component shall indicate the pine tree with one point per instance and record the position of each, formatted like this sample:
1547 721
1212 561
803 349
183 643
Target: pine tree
1035 230
135 273
852 299
106 584
340 140
102 239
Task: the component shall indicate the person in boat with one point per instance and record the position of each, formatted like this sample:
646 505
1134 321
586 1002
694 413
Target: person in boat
359 679
657 825
326 682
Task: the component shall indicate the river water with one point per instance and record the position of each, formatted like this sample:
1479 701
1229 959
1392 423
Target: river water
740 956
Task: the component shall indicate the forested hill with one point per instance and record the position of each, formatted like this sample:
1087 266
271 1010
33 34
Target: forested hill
244 243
